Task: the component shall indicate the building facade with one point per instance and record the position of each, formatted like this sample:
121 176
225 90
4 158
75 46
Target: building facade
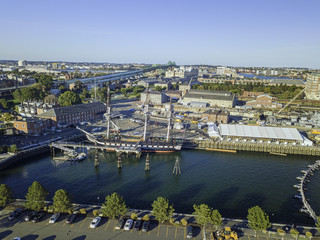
216 116
264 101
32 126
154 97
313 86
213 98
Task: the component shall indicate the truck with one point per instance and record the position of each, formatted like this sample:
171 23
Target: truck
225 234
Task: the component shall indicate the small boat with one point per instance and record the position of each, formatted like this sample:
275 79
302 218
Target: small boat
299 178
304 171
80 157
297 186
298 196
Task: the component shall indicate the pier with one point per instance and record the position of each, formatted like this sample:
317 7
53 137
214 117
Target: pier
301 186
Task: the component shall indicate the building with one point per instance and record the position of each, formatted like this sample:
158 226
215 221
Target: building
29 109
75 114
216 116
22 63
147 82
288 82
174 94
166 85
248 94
182 72
264 101
213 98
32 126
262 134
313 86
154 97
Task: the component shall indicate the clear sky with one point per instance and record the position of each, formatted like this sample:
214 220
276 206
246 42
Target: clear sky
271 33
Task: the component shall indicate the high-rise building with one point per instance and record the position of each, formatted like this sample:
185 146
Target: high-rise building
22 63
313 86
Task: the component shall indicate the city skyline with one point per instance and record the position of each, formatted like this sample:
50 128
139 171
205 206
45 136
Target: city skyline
246 33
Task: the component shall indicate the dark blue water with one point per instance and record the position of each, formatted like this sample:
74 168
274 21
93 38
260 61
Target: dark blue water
247 75
231 183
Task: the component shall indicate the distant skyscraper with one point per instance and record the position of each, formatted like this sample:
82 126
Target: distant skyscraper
313 86
22 63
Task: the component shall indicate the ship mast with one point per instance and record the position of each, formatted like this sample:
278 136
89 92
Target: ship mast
108 113
146 115
169 120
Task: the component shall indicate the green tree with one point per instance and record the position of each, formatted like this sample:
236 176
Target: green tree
62 88
51 98
158 88
161 209
318 223
85 94
6 117
203 214
17 95
4 103
62 201
6 195
78 87
114 206
216 217
36 197
69 98
13 149
258 219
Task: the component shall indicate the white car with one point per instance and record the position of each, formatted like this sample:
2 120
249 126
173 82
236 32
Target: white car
128 224
54 218
95 222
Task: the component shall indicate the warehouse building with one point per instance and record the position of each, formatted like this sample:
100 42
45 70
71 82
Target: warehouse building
212 98
262 134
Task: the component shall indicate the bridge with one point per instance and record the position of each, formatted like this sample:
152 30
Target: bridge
301 188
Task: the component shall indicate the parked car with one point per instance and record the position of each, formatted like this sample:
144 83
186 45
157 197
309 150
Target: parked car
189 232
15 213
120 224
54 218
30 216
38 217
128 224
71 218
146 226
137 225
95 222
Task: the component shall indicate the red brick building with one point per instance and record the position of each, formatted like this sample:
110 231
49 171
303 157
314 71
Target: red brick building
264 101
32 126
216 116
251 94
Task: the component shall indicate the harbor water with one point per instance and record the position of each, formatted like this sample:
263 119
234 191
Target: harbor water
231 183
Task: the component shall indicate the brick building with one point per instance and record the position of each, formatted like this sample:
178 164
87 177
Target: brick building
154 97
75 114
251 94
216 116
264 101
32 126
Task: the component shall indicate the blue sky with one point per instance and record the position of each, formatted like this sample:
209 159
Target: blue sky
271 33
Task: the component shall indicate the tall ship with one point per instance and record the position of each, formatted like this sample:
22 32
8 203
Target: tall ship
148 145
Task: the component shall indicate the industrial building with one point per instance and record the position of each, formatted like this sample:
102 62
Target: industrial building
212 98
154 97
313 86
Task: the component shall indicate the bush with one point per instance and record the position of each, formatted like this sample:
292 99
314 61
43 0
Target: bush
134 216
96 212
146 217
83 211
70 211
171 220
308 234
294 231
50 209
280 231
184 222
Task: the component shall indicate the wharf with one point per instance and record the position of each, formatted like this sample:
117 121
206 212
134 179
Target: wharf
253 147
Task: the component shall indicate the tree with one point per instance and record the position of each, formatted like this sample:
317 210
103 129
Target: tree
85 94
13 149
78 87
62 201
4 103
203 214
51 98
114 206
318 223
62 88
6 117
69 98
6 195
216 217
36 197
171 63
258 219
162 210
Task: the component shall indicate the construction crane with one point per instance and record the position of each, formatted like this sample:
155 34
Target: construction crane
146 115
108 113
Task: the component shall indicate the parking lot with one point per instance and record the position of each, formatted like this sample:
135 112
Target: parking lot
80 229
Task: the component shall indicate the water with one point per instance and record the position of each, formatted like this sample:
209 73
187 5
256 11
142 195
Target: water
248 75
231 183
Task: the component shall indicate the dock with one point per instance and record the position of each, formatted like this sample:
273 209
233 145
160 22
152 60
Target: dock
301 188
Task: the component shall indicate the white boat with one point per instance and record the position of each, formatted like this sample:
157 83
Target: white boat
81 156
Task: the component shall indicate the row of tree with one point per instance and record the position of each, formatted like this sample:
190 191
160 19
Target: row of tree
115 206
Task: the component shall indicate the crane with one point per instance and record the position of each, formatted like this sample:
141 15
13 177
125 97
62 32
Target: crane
146 114
169 120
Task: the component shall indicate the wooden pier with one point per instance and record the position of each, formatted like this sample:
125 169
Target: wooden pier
252 147
301 186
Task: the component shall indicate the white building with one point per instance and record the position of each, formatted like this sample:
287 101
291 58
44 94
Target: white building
313 86
22 63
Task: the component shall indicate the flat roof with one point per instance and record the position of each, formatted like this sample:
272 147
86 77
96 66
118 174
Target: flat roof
260 132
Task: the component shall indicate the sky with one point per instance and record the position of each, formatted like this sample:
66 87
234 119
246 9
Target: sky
269 33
